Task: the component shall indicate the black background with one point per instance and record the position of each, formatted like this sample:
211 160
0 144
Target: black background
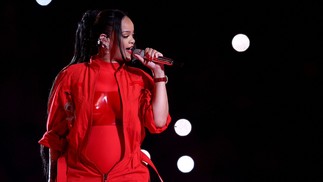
256 115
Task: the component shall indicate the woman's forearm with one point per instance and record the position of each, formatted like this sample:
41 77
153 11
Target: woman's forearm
160 104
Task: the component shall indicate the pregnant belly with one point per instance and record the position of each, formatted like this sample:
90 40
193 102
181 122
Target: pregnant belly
104 147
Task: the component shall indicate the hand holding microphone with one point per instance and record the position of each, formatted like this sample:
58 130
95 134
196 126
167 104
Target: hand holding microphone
159 60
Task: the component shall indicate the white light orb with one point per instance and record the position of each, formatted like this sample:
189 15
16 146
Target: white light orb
240 42
185 164
146 152
43 2
182 127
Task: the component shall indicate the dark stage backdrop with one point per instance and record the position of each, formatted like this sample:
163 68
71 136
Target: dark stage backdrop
256 115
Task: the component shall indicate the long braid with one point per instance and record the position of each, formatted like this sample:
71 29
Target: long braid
45 158
84 47
85 43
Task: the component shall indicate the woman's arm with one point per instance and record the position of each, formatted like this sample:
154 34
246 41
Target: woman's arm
159 96
160 99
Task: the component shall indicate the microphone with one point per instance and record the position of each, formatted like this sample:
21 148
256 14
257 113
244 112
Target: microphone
159 60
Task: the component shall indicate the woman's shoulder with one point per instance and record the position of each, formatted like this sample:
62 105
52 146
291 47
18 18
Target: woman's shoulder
73 68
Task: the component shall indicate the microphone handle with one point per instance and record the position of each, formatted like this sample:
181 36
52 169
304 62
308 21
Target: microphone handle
163 60
160 60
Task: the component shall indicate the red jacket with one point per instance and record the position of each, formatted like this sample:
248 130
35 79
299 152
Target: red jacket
69 119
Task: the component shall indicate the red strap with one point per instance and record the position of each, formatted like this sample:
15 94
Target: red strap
61 169
146 159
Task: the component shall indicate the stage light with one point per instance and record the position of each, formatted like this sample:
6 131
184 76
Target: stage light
185 164
43 2
146 152
182 127
240 42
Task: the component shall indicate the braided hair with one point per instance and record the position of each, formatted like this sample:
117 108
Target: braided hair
92 24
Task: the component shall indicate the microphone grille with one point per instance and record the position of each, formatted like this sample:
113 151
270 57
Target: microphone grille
138 51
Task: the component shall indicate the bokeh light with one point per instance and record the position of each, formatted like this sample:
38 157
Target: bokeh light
182 127
185 164
43 2
240 42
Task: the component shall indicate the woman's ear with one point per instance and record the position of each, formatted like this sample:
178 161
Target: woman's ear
105 41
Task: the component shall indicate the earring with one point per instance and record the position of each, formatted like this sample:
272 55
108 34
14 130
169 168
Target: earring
99 42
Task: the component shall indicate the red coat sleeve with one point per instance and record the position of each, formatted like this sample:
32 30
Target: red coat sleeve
60 114
147 113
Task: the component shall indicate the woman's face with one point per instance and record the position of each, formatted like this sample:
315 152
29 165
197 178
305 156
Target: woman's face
127 40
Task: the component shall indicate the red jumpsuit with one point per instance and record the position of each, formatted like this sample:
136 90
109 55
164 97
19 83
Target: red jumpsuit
75 123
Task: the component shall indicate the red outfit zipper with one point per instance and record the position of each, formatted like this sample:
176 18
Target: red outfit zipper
105 177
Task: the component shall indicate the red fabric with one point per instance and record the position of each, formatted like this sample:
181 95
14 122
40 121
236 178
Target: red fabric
69 119
62 169
106 108
104 146
106 105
